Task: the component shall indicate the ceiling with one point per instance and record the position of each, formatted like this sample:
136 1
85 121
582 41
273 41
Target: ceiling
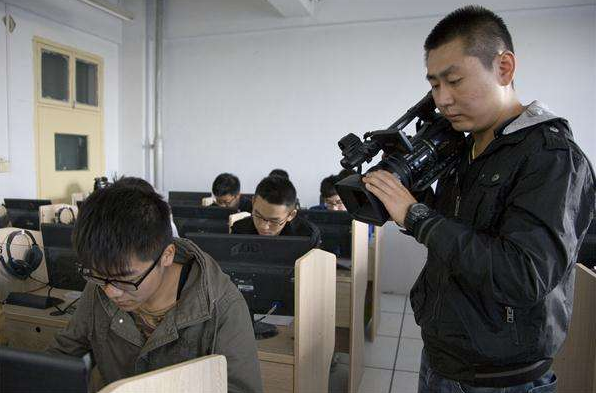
192 18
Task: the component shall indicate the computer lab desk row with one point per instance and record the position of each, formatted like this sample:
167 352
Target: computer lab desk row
298 359
281 359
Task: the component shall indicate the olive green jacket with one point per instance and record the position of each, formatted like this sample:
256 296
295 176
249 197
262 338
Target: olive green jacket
211 317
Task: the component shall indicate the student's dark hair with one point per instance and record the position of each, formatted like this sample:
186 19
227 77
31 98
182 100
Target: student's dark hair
280 173
277 191
134 182
225 184
484 34
328 186
118 223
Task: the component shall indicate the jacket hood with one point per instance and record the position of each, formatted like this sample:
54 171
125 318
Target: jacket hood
535 113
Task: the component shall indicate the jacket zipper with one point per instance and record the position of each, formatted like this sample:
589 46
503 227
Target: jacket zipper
511 321
458 197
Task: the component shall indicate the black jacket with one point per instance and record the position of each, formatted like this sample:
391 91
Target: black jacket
297 227
494 299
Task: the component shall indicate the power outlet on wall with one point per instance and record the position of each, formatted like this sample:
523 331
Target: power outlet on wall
4 165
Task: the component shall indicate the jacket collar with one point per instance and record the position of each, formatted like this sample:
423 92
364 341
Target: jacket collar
535 113
194 306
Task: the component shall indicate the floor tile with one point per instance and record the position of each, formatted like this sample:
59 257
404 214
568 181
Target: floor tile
408 356
392 303
375 380
404 382
410 329
390 324
381 352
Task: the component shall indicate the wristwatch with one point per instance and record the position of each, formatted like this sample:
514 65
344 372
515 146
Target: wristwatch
416 213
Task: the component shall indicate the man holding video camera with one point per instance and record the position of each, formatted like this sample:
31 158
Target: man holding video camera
504 226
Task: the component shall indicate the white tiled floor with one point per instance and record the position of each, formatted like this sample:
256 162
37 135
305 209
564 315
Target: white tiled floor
393 360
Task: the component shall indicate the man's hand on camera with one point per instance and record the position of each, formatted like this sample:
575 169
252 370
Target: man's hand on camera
396 198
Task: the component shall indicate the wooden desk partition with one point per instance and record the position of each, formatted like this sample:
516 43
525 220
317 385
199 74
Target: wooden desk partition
575 365
374 277
203 375
207 201
357 297
237 217
47 213
298 359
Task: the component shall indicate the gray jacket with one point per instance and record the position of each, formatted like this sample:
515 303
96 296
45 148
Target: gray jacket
211 317
495 296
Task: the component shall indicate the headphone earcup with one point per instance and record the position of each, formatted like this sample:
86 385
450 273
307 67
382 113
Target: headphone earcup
33 259
19 267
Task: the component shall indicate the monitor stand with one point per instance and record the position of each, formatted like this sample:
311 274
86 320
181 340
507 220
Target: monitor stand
30 300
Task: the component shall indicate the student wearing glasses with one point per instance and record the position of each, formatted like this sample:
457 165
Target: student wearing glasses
274 213
226 191
329 198
151 300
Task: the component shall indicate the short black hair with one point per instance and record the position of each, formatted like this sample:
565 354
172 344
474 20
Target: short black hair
484 33
135 182
280 173
225 184
328 186
118 223
277 191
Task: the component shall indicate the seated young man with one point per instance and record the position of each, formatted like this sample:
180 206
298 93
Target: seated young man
274 213
152 301
329 198
226 190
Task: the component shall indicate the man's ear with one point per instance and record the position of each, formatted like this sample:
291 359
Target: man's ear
167 258
505 66
292 214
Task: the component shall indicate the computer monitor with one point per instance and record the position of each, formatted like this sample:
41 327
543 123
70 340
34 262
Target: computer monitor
262 267
61 258
336 230
25 371
24 213
201 219
186 198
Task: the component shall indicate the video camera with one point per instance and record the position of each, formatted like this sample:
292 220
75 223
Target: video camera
417 161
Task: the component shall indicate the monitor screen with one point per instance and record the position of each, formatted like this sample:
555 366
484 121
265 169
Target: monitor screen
25 371
186 198
201 219
24 213
336 230
262 267
61 258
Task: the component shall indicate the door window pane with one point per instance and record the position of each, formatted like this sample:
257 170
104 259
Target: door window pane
54 75
86 83
71 152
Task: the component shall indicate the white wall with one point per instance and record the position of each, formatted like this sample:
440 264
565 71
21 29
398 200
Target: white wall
54 24
133 92
246 103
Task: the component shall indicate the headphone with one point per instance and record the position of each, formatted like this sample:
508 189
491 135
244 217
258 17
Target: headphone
22 268
57 219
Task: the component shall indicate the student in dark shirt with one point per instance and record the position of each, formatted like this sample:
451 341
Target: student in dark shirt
274 213
329 198
226 191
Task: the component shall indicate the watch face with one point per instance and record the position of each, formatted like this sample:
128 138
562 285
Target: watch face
419 209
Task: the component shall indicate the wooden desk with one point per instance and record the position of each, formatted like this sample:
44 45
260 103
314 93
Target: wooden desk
298 359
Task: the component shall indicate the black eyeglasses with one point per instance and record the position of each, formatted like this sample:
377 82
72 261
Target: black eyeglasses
127 286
